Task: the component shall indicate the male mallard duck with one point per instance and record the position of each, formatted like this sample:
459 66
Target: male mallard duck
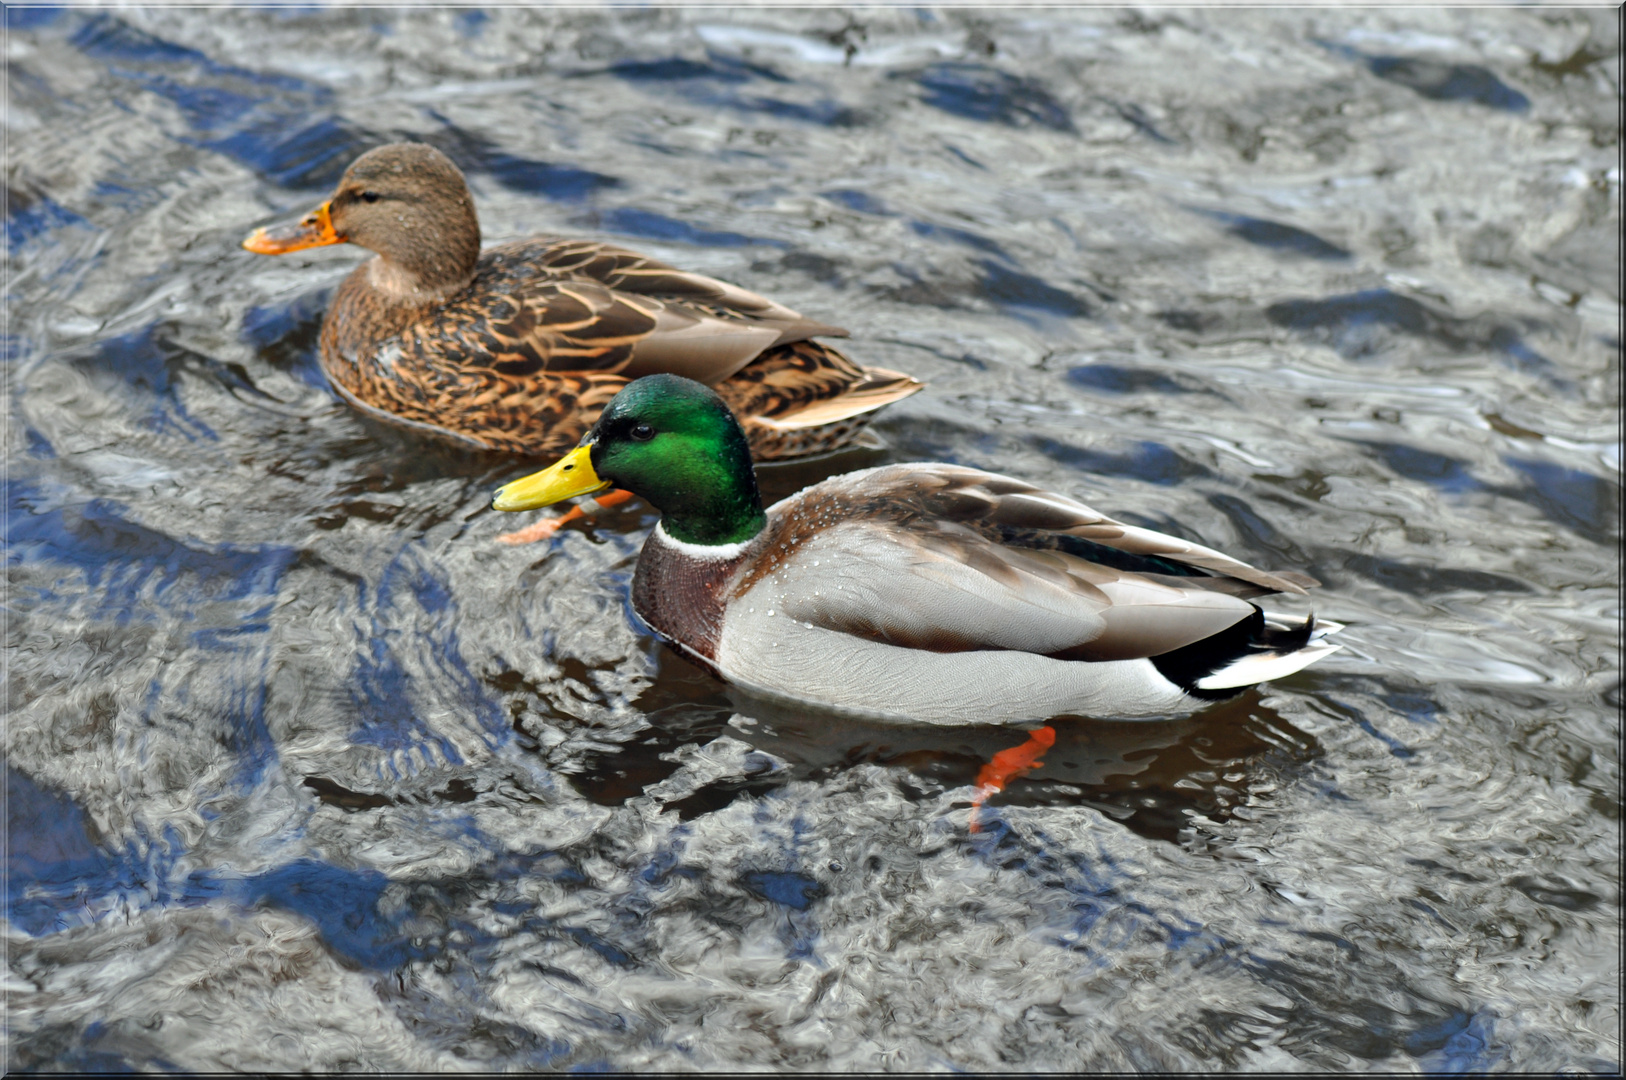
518 348
924 591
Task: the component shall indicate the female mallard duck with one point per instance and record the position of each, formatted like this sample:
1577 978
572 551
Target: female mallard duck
924 591
518 348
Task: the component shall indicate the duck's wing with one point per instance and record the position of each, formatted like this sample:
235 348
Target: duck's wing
576 305
1027 515
629 272
921 559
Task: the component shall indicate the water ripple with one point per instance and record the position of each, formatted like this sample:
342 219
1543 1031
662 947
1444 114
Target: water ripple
304 771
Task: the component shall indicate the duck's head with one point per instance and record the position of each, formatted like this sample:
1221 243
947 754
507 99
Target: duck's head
672 442
408 203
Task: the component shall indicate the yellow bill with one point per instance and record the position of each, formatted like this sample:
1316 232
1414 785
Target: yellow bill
566 478
314 230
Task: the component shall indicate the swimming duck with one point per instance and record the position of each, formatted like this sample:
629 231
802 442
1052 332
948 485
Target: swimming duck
922 591
517 348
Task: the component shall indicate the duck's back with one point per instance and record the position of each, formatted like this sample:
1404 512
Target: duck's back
563 306
546 329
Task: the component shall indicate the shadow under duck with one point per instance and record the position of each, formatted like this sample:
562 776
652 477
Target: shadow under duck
519 347
921 591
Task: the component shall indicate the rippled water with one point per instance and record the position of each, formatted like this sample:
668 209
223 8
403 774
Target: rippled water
305 771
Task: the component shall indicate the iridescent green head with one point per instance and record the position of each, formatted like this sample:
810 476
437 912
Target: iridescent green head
673 443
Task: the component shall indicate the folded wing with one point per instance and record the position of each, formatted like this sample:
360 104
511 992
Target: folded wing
949 559
584 306
1023 513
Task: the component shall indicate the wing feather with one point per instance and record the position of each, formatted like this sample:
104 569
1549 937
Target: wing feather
942 490
921 556
579 306
959 593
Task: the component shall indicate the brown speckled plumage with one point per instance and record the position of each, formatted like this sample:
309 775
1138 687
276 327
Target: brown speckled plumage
520 352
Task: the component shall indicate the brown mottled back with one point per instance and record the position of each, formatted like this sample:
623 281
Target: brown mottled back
525 357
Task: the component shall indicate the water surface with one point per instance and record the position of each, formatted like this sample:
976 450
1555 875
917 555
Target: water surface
305 771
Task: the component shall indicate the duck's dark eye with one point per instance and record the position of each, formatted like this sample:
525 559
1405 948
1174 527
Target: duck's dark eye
642 432
369 196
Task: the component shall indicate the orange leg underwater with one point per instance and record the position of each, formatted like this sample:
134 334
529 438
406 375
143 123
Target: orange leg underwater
541 530
1007 765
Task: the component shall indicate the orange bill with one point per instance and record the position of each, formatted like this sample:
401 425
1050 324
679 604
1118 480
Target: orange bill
314 230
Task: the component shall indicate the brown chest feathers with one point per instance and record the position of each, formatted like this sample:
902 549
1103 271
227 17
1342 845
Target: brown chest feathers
682 598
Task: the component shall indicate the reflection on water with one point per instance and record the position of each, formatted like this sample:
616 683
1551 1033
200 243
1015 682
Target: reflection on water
304 770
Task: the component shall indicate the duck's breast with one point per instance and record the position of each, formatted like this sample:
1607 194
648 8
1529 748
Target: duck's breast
680 591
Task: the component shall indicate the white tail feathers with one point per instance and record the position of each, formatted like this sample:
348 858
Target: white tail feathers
878 387
1264 666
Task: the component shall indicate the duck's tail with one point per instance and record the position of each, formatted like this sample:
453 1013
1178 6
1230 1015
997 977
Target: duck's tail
1258 649
878 388
807 398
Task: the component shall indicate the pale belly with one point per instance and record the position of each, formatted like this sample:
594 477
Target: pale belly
779 657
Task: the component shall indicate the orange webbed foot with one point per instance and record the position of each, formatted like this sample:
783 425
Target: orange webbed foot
1007 765
542 530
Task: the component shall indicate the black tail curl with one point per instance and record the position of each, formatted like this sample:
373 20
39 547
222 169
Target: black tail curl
1189 664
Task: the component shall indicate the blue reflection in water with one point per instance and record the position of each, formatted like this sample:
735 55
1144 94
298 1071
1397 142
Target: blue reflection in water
342 904
475 153
1581 501
1577 500
862 201
1356 325
979 92
1146 460
1440 471
51 862
1449 82
631 221
291 150
29 216
286 335
122 559
38 445
1415 707
136 574
1437 80
205 105
562 183
407 666
958 236
110 37
150 364
717 81
1013 288
1350 712
676 69
57 878
1459 1043
31 18
1110 379
1277 236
